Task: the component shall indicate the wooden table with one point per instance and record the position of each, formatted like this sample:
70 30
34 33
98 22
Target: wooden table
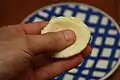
14 11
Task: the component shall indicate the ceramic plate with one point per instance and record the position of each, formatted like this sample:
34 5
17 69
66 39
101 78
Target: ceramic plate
105 41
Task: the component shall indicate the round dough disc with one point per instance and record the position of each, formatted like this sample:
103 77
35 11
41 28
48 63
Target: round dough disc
81 30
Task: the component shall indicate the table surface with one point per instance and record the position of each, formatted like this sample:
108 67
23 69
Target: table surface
14 11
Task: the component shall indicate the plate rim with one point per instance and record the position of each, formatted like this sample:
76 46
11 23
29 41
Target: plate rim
105 13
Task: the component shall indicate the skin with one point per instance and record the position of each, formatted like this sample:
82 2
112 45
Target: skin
25 53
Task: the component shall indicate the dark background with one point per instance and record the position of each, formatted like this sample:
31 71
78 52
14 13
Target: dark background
14 11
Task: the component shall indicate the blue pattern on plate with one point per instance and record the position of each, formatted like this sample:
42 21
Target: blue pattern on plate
105 40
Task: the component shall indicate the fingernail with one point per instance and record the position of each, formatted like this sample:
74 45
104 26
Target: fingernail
69 35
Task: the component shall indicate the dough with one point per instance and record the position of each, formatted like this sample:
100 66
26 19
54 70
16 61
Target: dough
81 30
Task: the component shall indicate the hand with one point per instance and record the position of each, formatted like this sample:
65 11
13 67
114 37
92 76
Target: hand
25 54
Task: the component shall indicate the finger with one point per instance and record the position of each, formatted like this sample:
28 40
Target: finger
42 60
54 69
48 60
28 74
86 51
30 28
50 42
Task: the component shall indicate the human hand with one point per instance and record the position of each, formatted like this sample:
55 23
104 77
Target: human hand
25 54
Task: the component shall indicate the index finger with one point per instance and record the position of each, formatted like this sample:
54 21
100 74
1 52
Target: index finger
31 28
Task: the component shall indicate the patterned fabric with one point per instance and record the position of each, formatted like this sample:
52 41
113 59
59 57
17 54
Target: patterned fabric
105 40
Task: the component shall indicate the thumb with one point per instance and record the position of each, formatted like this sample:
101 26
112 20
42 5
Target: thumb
50 42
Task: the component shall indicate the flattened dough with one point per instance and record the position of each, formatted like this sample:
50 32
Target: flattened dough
81 30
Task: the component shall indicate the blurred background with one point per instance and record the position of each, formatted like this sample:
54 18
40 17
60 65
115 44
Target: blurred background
14 11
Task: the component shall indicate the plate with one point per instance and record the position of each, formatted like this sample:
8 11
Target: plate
105 40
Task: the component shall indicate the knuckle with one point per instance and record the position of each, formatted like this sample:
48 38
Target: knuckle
52 41
28 42
57 41
27 39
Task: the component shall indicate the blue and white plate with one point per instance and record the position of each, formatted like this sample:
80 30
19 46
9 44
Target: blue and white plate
105 41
